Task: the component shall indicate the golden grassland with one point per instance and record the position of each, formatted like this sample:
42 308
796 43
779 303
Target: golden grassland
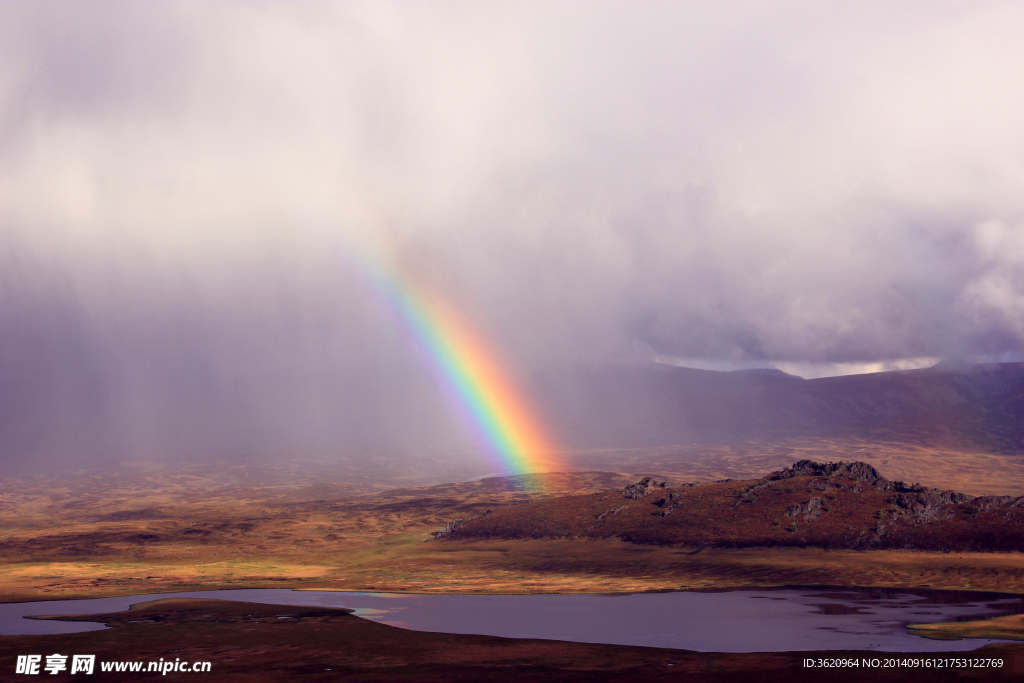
149 532
1009 627
539 566
155 532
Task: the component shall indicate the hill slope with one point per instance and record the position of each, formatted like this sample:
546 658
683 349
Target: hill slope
652 406
844 505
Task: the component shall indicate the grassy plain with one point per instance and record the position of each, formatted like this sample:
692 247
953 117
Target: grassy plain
153 530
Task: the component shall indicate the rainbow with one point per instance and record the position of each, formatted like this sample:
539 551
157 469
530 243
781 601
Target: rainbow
469 369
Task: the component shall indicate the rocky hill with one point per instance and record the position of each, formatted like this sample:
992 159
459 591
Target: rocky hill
833 505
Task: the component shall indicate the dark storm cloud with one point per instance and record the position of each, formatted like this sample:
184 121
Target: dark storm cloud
804 185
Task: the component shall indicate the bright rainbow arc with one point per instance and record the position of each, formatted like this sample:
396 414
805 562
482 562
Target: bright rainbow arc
469 370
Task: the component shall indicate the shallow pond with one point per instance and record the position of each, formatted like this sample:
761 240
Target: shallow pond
719 621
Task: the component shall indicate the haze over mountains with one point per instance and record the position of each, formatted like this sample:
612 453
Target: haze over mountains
663 404
958 407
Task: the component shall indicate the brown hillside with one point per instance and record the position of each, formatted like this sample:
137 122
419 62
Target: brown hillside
838 505
990 425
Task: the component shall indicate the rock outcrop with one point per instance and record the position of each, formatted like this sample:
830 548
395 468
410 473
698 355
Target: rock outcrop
809 510
829 505
648 485
636 491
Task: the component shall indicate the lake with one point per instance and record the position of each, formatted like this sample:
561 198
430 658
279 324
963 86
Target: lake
719 621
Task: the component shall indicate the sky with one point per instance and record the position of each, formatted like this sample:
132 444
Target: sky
189 193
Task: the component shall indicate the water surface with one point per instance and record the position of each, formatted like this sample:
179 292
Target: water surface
720 621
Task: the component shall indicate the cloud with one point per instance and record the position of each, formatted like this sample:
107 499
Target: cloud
794 183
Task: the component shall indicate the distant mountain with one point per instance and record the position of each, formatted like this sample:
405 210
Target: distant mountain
836 505
991 425
625 407
953 364
767 372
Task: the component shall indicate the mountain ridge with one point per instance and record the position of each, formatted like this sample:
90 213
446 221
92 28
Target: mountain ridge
643 406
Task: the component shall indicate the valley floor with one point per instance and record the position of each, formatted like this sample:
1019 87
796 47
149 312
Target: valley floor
537 566
147 531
